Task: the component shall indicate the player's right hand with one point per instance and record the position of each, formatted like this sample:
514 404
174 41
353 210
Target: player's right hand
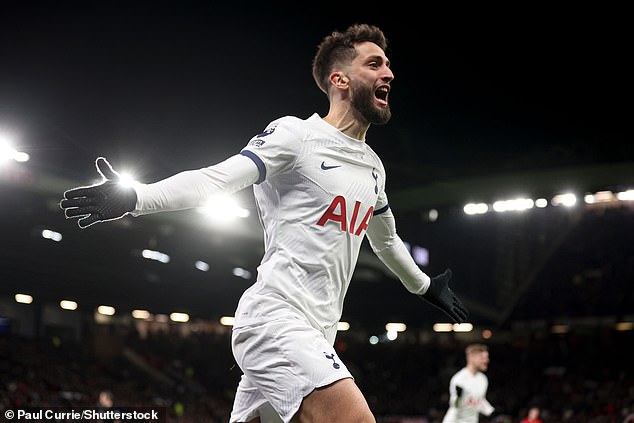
108 200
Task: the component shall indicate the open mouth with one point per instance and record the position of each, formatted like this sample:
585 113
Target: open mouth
381 94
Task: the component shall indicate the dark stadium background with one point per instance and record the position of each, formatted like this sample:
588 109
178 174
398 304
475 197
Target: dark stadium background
488 104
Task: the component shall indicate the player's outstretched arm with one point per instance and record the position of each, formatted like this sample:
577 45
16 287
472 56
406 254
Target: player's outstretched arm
389 247
108 200
441 296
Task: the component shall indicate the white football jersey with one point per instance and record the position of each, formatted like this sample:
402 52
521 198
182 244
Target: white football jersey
316 193
472 400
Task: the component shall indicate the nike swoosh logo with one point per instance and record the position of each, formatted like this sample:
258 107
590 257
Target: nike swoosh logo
324 167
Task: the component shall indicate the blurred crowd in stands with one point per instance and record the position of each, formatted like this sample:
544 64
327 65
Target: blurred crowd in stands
576 378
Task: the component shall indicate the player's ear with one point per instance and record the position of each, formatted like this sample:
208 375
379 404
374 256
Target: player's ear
339 80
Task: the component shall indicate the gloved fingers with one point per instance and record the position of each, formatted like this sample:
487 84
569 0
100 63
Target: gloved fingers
447 275
105 169
79 211
80 192
76 202
89 220
460 310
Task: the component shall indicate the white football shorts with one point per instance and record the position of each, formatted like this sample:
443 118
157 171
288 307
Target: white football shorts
283 361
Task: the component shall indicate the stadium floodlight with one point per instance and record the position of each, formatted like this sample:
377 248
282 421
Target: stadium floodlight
599 197
420 255
397 327
475 208
541 203
566 200
462 327
517 204
626 195
443 327
392 335
202 266
155 255
223 208
23 298
393 329
241 273
52 235
68 305
227 320
106 310
7 152
141 314
179 317
343 326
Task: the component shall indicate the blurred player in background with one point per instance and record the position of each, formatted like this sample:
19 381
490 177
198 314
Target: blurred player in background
319 189
468 388
532 416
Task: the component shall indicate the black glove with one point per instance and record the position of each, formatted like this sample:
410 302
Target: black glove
441 296
459 391
97 203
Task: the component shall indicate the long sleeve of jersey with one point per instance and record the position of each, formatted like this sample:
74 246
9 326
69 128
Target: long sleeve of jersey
192 188
389 247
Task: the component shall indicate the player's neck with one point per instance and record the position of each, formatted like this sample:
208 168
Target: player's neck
345 119
472 369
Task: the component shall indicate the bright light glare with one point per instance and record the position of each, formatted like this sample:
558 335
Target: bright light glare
68 305
202 266
179 317
599 197
475 208
566 200
462 327
343 326
541 203
374 340
227 320
626 195
392 335
106 310
518 204
52 235
443 327
9 153
141 314
398 327
155 255
127 179
23 298
420 255
241 273
222 208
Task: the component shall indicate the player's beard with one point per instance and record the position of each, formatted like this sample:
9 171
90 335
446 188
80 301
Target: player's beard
363 102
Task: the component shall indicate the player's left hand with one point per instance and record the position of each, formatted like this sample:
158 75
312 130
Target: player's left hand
441 296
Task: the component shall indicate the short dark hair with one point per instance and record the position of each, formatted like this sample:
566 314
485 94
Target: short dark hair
476 348
339 47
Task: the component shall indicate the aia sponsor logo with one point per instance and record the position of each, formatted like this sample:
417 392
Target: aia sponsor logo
338 212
